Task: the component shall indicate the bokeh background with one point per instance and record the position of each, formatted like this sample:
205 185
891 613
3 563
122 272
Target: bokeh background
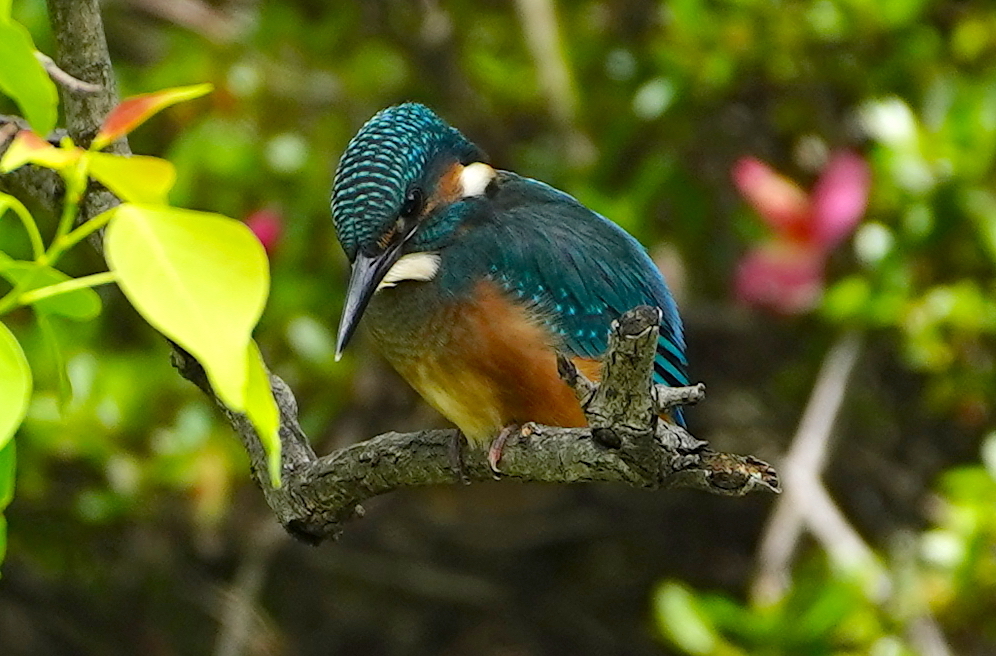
135 528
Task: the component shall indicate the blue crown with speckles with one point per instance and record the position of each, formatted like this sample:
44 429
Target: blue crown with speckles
389 154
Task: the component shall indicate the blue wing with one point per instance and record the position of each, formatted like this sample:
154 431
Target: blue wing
579 270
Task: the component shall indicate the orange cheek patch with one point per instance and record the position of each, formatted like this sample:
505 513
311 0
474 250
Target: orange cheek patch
449 190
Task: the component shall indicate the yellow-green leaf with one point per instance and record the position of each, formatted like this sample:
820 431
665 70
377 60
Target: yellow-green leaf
23 78
8 458
15 385
201 279
683 621
29 148
134 111
54 346
3 537
79 304
134 178
8 202
261 408
7 473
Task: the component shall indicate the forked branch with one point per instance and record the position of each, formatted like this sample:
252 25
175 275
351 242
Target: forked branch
626 444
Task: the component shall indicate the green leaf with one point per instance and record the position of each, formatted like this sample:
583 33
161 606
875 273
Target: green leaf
65 390
134 111
683 621
29 148
8 458
8 202
15 385
135 178
4 10
79 305
201 279
23 78
261 408
981 205
8 470
847 299
3 538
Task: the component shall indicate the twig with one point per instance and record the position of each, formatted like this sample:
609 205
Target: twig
201 17
539 24
805 502
927 638
419 578
63 78
81 51
7 132
319 494
236 621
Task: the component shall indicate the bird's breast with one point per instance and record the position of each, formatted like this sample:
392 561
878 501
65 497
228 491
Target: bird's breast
481 359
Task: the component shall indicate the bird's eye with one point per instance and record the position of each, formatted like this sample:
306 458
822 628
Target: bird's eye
413 205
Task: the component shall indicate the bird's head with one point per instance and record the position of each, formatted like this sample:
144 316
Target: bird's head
402 187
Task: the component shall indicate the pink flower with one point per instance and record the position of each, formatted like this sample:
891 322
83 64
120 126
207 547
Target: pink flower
267 224
786 273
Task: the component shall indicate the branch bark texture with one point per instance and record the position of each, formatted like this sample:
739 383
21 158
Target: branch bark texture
627 442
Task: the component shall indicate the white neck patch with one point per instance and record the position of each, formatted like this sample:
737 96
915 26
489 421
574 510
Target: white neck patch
474 179
413 266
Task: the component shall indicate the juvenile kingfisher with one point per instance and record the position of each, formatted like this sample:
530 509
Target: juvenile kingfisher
471 279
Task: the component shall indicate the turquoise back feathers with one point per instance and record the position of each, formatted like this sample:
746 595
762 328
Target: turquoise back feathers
574 267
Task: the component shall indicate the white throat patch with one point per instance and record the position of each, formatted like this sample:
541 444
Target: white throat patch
413 266
475 178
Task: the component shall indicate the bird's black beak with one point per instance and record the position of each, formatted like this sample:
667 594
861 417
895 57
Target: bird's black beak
368 271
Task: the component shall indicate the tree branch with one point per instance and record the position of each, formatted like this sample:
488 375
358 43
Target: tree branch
627 442
63 78
806 502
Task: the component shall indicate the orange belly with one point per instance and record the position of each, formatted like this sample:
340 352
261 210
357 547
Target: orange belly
496 366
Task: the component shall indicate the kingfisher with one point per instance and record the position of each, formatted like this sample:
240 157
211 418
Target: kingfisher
472 279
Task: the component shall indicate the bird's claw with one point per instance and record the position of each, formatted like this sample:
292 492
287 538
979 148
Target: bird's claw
497 446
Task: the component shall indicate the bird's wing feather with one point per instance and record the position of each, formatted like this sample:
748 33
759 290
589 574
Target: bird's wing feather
580 272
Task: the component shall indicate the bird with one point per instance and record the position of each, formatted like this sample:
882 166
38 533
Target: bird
471 279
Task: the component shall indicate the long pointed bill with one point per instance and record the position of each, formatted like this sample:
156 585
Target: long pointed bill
367 273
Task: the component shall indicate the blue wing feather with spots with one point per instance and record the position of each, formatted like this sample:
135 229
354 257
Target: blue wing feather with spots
579 270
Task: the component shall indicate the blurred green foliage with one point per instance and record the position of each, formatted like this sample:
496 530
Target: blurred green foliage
949 570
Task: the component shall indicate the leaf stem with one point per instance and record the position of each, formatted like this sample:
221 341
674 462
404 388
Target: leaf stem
37 246
92 280
12 299
75 178
83 231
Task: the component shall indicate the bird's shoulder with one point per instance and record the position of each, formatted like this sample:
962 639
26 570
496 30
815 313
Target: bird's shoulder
571 264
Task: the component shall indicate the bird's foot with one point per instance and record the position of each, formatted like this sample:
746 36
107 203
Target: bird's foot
456 457
494 452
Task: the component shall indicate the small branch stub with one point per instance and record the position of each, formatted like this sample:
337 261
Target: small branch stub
63 78
320 494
